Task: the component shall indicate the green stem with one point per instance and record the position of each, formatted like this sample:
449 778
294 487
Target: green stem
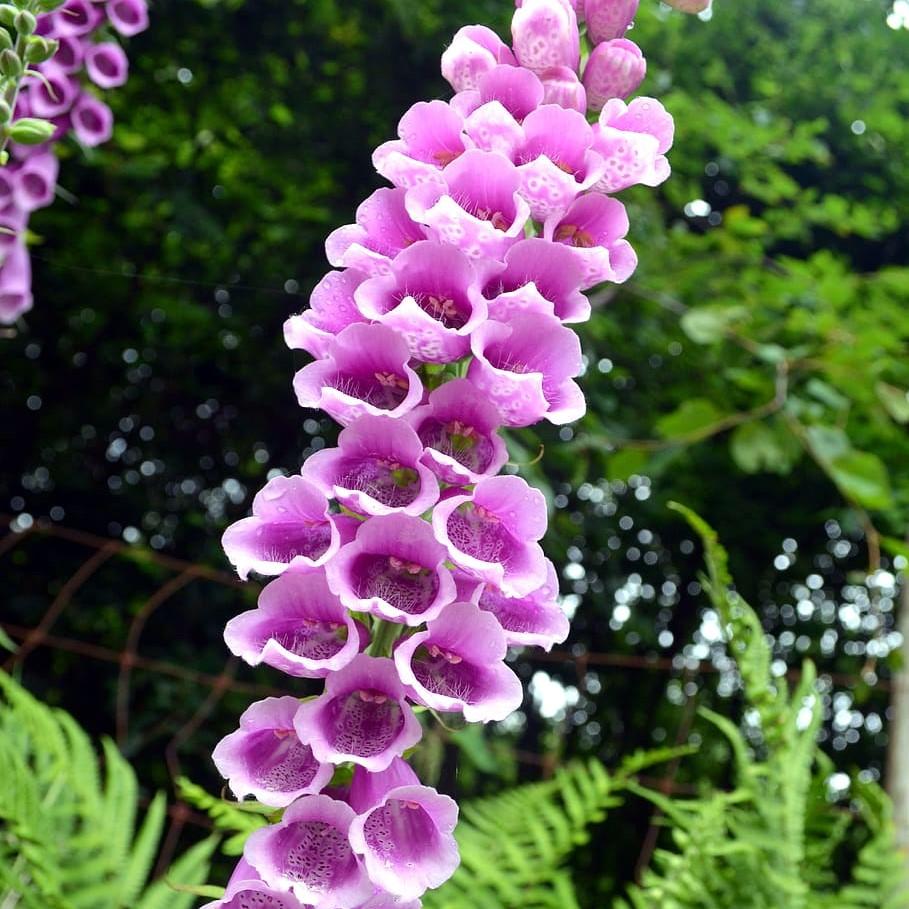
384 634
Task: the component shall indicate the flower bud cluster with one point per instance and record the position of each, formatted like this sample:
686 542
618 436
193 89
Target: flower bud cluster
405 563
50 76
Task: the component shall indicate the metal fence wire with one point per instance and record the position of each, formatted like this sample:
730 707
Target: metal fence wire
180 722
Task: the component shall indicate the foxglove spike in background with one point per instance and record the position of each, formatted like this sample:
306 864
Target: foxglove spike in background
408 563
65 97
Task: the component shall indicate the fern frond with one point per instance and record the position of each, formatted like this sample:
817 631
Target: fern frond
68 830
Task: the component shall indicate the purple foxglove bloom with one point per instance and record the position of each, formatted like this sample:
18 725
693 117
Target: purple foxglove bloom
375 469
366 371
475 206
394 569
15 283
534 620
615 69
9 177
76 18
106 64
308 853
246 891
525 368
290 526
431 299
545 33
608 19
457 664
430 137
299 627
403 831
55 98
331 310
633 140
539 276
382 230
383 900
518 90
561 86
362 716
458 429
594 229
493 532
92 120
35 181
473 51
555 161
70 54
129 17
265 759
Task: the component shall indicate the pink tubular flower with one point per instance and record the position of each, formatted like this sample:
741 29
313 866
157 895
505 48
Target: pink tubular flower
106 64
265 759
375 469
70 54
608 18
430 137
35 181
615 69
76 18
129 17
395 570
534 620
246 891
556 163
593 229
331 310
545 34
15 283
52 96
561 86
362 716
299 627
633 140
456 664
474 206
92 120
458 429
403 831
290 526
382 230
492 533
539 276
365 371
431 299
474 50
308 854
525 367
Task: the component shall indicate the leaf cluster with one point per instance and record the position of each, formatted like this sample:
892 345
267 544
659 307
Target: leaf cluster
71 832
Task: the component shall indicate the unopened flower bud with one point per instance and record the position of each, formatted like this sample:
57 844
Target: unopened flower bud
6 39
31 131
7 14
5 112
40 50
25 23
561 86
545 34
615 69
608 18
10 64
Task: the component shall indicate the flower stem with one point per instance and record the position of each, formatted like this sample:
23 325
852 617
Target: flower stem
384 634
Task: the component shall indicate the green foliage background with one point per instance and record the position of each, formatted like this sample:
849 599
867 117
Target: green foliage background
754 368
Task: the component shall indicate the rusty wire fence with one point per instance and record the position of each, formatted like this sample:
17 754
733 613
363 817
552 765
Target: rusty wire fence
136 654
